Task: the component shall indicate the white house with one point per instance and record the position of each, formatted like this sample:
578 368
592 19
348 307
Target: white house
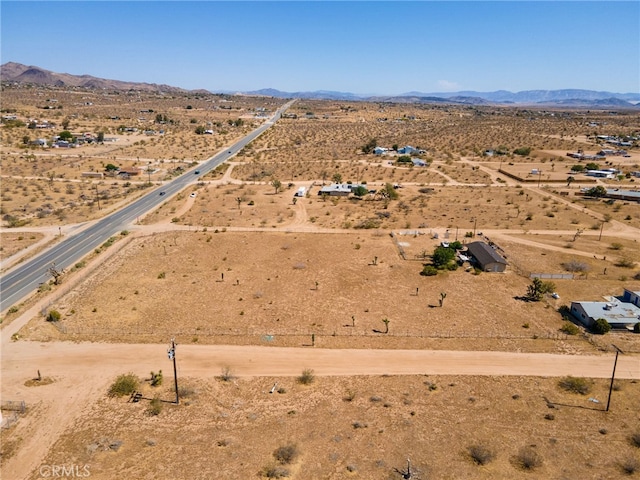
380 150
619 313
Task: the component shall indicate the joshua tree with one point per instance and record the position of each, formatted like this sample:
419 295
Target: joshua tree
442 297
386 325
277 184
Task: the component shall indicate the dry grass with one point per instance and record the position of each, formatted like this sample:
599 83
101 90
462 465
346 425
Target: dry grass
233 430
316 278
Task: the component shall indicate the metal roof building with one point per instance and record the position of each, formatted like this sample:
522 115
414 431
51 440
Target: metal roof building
617 314
488 259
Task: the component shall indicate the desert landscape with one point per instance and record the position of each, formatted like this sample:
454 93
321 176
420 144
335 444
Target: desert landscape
315 336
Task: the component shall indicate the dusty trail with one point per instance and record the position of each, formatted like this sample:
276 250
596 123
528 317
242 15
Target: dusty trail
83 371
80 359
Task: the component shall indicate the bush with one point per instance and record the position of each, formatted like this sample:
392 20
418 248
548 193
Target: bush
226 375
569 328
522 151
575 266
274 472
155 407
53 316
630 465
528 459
601 326
307 377
575 384
635 439
625 263
429 271
286 454
480 454
125 384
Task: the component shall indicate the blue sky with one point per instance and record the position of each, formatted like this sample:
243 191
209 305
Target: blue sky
360 47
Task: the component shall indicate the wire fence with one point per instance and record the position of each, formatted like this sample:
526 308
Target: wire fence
15 406
8 422
346 332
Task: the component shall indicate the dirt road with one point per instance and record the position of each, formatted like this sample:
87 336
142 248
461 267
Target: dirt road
81 360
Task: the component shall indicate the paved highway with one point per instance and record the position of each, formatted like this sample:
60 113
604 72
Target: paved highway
23 280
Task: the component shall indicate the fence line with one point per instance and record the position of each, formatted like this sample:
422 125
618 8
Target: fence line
269 336
8 422
564 276
398 246
14 406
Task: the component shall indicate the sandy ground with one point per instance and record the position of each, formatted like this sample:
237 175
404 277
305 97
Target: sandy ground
69 411
74 367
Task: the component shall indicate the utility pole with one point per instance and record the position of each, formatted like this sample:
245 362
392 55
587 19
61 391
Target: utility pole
97 196
171 353
613 374
601 227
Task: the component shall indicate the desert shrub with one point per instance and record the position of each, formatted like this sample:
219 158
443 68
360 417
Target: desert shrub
226 375
615 246
480 454
635 439
125 384
528 459
273 471
569 328
429 271
522 151
53 316
185 391
630 465
601 326
286 454
307 377
13 309
575 384
155 407
625 263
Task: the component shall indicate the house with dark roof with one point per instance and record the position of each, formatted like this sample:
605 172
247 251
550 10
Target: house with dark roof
486 257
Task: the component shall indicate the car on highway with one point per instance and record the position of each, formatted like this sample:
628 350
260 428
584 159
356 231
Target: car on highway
197 172
162 193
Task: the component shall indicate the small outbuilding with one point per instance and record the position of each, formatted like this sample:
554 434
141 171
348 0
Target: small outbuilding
486 257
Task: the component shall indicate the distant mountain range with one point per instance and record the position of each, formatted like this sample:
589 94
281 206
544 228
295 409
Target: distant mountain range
567 97
16 72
